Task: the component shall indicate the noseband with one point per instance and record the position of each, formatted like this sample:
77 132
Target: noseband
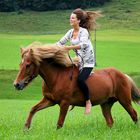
30 79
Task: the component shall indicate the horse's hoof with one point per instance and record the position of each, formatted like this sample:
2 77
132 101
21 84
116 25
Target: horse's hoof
110 125
58 127
26 128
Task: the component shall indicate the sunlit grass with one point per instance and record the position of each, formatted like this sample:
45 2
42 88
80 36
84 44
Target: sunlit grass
77 125
114 48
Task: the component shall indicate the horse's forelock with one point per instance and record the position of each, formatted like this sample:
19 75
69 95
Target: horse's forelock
31 53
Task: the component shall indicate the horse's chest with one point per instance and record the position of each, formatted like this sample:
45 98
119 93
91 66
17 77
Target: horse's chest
57 96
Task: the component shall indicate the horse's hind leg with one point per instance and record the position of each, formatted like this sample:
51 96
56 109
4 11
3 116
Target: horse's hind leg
128 107
41 105
125 100
106 110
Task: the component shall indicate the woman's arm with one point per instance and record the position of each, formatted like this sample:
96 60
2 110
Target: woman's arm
83 37
64 39
73 47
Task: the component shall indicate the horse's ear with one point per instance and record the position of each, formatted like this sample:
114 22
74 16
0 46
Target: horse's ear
31 52
21 50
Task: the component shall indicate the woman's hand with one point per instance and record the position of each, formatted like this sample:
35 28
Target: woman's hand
75 60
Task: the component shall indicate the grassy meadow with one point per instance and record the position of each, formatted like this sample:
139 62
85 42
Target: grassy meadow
117 45
77 125
118 49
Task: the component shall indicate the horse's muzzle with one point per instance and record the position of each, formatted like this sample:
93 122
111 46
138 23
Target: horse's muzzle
19 86
23 83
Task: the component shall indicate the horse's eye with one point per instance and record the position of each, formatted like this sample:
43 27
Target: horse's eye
28 65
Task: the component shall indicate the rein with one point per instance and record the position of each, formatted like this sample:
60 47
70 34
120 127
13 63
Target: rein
80 57
71 75
31 77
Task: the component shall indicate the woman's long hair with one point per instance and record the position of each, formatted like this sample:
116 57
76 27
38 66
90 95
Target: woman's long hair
87 18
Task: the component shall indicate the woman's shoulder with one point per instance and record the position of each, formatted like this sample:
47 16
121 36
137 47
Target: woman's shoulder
83 30
69 32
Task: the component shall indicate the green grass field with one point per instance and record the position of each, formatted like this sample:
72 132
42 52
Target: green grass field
77 125
114 48
118 45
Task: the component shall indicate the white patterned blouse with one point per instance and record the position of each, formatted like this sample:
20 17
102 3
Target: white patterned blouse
86 53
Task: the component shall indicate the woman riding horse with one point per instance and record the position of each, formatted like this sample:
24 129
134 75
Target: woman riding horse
82 23
52 63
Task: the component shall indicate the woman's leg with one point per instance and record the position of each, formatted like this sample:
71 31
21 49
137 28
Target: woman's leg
83 75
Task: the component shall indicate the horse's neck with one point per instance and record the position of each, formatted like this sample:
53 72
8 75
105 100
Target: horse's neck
50 73
53 74
47 73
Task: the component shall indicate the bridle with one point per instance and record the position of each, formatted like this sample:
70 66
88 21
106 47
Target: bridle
30 78
71 75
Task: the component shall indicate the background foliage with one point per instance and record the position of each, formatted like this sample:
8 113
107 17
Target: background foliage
46 5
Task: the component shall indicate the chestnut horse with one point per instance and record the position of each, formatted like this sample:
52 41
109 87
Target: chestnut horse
106 86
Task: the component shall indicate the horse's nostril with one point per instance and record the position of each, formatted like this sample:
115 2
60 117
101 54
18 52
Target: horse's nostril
17 85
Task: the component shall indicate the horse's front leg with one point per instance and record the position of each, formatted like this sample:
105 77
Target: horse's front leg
41 105
64 105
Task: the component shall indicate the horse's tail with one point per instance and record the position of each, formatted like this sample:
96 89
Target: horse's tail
135 92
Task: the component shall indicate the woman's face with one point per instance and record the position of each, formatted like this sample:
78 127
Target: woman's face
73 20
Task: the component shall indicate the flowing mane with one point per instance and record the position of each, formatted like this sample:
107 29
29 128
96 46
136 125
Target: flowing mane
40 51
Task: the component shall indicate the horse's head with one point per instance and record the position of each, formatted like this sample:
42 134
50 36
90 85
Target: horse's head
33 55
28 69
